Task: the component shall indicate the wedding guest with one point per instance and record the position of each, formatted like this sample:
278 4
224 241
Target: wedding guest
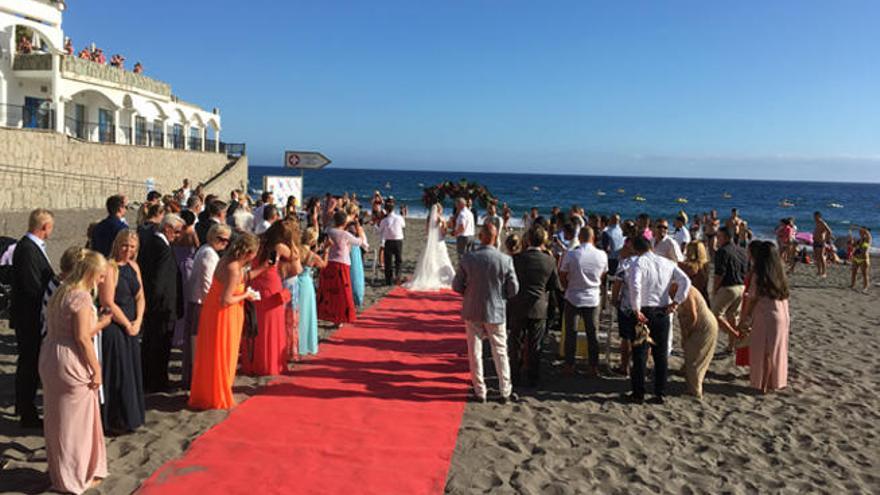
506 214
204 214
626 319
767 310
290 208
216 212
335 302
122 293
104 233
270 216
150 225
152 199
581 272
696 266
242 218
464 229
220 324
699 333
266 355
266 198
643 224
649 281
731 264
664 245
162 292
529 219
861 259
391 230
308 315
31 273
487 278
493 217
289 270
358 283
733 226
513 244
681 234
196 290
527 312
71 377
612 242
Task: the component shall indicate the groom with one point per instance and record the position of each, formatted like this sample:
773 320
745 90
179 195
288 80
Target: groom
464 229
486 278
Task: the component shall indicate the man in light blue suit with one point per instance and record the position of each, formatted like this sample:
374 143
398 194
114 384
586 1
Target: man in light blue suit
486 278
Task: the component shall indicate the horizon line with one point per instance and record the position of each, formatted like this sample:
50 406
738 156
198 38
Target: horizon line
623 176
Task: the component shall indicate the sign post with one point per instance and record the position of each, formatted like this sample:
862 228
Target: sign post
303 160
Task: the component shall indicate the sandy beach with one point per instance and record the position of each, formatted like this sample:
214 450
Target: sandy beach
574 435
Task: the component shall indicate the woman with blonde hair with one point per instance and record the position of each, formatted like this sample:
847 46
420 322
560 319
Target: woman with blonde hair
122 293
308 307
71 377
220 327
696 265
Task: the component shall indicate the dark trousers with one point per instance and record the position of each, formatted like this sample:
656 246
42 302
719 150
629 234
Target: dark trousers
27 376
156 351
658 323
591 323
393 249
525 343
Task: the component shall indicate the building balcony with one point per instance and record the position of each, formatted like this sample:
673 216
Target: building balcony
86 70
78 69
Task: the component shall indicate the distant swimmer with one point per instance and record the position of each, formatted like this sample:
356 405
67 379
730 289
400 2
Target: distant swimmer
835 205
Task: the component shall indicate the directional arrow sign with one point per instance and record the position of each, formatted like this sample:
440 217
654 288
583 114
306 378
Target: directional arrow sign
305 159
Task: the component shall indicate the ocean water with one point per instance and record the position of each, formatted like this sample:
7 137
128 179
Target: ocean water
759 202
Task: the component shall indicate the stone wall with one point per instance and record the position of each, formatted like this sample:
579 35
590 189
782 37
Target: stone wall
43 168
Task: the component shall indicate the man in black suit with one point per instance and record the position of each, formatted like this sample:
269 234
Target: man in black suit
216 216
537 275
31 272
164 300
105 232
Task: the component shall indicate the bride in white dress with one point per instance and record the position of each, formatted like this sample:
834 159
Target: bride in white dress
434 271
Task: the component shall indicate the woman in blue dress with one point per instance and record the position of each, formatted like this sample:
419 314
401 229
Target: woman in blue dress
308 307
357 259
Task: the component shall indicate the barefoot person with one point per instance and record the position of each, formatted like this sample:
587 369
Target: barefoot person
821 238
861 260
730 271
487 279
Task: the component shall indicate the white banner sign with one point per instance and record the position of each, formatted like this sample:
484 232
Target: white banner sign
283 187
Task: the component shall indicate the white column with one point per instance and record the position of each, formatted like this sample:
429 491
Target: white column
131 136
204 132
57 100
217 141
116 125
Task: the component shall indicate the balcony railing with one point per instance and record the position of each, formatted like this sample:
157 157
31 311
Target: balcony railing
195 143
26 117
232 149
32 61
94 131
72 67
210 144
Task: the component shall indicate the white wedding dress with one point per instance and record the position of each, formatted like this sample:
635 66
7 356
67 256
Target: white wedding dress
434 270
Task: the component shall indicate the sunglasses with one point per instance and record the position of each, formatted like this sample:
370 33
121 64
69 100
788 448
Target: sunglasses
665 227
223 239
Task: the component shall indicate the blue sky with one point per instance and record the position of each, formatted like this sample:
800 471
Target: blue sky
781 89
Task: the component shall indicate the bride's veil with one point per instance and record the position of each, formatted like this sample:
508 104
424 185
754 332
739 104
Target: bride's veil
433 228
434 270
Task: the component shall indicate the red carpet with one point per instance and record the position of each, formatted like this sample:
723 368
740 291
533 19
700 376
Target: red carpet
377 411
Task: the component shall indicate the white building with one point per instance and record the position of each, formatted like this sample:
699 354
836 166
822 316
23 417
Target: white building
48 89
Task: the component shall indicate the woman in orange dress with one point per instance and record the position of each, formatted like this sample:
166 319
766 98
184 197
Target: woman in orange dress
220 328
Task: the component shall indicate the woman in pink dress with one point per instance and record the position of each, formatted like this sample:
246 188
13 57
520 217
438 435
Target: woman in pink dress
767 309
71 379
267 354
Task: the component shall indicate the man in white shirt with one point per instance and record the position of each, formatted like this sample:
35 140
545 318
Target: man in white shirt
681 235
270 216
464 229
391 233
664 245
196 290
649 280
267 198
185 191
496 220
581 272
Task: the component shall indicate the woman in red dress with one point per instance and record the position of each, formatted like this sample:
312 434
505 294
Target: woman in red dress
335 300
267 353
